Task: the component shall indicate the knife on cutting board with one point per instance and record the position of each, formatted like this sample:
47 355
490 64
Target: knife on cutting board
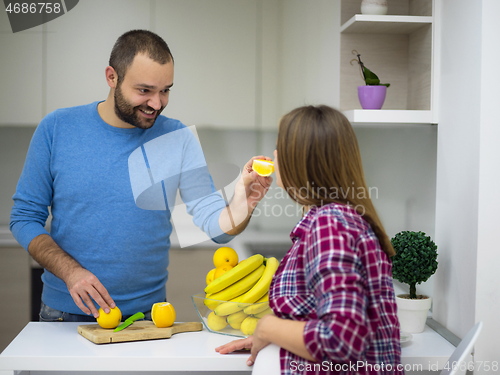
129 321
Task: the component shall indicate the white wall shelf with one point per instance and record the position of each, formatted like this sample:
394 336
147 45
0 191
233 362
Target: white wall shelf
388 117
362 23
399 48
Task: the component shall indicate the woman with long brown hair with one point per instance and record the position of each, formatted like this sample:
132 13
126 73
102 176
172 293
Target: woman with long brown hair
332 296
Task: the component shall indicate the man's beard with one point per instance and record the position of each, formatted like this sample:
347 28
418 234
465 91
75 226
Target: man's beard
129 114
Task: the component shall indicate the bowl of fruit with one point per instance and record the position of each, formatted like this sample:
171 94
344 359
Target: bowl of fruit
229 318
236 298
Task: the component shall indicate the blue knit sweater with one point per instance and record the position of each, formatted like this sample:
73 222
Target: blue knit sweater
111 192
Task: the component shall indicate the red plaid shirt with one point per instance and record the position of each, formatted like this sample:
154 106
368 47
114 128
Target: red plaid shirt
337 278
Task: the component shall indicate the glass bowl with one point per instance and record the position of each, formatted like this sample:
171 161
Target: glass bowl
228 318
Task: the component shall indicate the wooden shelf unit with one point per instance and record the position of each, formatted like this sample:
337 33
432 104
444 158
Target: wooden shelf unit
399 49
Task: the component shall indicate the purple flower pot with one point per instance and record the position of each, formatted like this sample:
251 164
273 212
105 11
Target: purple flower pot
372 97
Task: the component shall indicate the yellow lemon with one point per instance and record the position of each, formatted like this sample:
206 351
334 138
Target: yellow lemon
163 314
263 167
111 319
219 271
224 256
215 322
248 325
210 276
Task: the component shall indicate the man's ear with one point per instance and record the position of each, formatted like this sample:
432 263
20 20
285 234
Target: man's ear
111 77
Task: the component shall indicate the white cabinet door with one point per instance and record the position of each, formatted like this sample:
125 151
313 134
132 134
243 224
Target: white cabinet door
214 44
309 54
78 48
20 74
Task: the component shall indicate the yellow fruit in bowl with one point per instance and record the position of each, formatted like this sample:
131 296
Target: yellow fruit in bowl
111 319
225 256
219 271
265 312
263 167
163 314
210 303
215 322
236 319
210 276
248 325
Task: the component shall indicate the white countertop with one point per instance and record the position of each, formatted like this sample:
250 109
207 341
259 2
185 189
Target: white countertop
58 347
426 351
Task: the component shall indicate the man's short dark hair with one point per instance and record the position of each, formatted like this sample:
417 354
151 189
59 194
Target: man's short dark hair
134 42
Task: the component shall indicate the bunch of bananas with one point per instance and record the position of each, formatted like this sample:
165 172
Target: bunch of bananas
239 297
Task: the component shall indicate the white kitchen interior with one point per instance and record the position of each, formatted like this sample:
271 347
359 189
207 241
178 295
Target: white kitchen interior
240 65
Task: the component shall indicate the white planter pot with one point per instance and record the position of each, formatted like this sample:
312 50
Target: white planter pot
374 7
412 313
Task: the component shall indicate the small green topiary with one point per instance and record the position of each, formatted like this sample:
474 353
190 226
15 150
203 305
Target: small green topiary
415 260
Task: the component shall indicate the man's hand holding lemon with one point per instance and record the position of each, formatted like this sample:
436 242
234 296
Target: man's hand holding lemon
249 190
82 285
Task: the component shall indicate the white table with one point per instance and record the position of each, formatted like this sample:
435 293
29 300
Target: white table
44 348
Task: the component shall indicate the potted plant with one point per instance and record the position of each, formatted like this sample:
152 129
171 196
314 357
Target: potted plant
372 95
415 262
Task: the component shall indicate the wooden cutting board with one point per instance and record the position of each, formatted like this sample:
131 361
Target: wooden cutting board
142 330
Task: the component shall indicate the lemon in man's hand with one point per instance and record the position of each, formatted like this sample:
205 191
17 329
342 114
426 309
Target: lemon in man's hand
111 319
163 314
263 167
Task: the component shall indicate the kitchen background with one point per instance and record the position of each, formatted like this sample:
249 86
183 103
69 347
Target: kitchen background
240 65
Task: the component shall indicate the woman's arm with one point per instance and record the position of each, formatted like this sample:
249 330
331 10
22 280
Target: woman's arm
285 333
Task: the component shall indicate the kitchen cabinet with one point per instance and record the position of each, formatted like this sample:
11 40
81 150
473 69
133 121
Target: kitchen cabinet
61 63
14 290
214 44
78 45
308 54
401 49
21 68
239 65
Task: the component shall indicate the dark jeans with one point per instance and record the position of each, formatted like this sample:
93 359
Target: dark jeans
48 314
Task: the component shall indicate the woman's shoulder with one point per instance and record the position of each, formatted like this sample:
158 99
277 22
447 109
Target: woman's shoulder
342 214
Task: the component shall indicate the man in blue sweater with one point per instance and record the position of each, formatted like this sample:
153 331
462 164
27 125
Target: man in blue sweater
109 171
